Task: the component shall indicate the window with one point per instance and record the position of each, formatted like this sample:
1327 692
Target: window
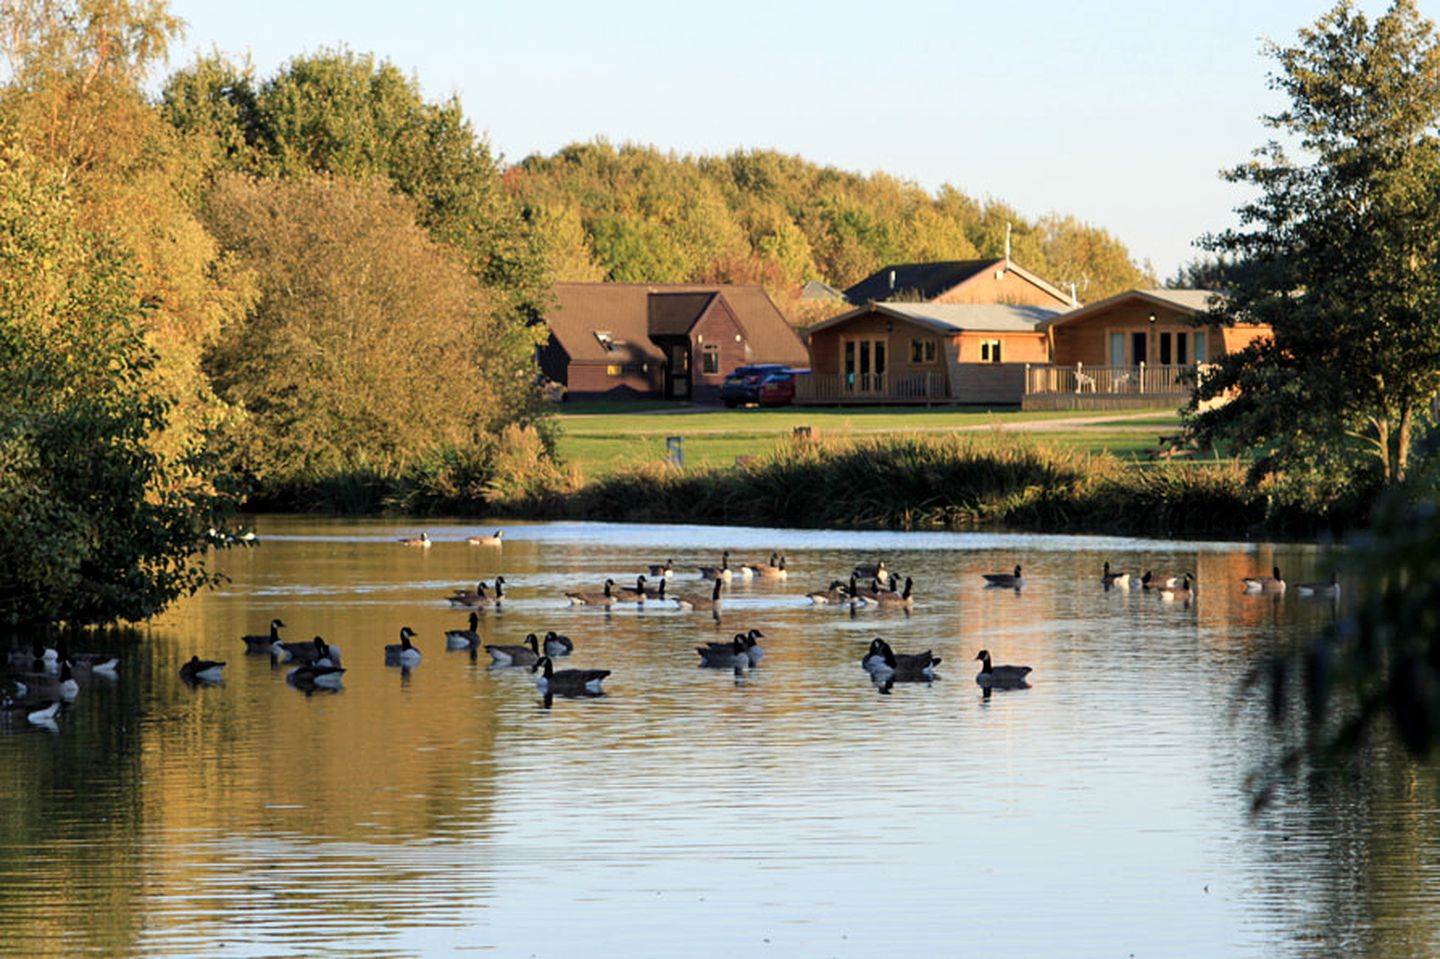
1181 342
614 369
922 350
710 359
1164 349
989 351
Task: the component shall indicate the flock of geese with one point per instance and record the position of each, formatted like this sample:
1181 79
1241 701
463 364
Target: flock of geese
42 678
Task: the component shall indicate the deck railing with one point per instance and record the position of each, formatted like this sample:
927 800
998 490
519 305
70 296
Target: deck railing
871 387
1141 378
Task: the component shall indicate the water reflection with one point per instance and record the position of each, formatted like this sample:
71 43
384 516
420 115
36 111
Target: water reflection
453 805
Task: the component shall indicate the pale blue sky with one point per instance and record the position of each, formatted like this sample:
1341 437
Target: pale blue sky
1121 113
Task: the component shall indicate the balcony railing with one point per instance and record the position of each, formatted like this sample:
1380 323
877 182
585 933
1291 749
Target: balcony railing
871 387
1139 379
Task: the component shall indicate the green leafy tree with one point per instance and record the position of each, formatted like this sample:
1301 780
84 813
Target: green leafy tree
94 524
370 347
1339 252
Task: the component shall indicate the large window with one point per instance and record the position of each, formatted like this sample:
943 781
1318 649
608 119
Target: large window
989 351
710 358
922 350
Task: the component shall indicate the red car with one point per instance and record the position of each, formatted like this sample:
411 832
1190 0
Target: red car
778 389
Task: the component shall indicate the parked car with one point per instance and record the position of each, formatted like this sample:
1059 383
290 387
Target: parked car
778 389
743 384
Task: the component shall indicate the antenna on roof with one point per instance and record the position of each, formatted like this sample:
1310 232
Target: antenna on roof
1007 242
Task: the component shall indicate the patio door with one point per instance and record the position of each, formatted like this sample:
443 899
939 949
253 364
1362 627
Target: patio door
677 373
862 364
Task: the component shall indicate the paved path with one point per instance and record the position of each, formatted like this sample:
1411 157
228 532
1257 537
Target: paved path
1112 422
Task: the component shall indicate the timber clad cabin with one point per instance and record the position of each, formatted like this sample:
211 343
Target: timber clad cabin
959 281
653 341
924 353
1136 349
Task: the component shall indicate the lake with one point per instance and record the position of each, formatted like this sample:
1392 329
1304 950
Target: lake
795 810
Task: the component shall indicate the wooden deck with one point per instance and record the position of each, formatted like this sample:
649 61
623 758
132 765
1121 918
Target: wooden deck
837 389
1081 387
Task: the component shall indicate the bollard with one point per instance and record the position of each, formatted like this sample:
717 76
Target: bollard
675 451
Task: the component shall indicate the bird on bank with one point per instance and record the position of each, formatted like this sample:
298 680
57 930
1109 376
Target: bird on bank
1331 588
422 541
1265 584
711 602
1000 677
264 643
402 653
1109 580
526 655
1006 580
494 539
557 645
584 598
199 670
464 638
567 682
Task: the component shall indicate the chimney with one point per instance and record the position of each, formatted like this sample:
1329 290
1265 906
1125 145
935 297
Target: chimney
892 281
1007 243
1074 300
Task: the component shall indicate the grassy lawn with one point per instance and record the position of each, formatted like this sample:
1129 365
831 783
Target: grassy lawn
600 438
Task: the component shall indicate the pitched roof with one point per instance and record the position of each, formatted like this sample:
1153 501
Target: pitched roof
1188 302
952 318
819 290
923 280
632 312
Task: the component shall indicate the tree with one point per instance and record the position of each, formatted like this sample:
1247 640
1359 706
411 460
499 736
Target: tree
94 524
370 346
1339 252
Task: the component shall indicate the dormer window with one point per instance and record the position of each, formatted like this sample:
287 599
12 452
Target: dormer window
607 341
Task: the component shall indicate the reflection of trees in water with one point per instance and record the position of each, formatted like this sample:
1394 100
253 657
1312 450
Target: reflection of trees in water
1357 842
72 818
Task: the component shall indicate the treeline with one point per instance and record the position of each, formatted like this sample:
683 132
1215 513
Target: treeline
636 214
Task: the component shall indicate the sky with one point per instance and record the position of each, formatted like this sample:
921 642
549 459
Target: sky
1120 113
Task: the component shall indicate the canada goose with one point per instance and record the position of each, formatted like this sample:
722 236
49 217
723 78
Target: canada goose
665 571
39 714
557 645
701 602
464 638
309 652
1331 588
773 571
657 592
721 572
264 643
494 539
836 595
731 655
1008 580
871 593
1000 677
567 682
884 664
582 598
876 571
892 600
751 570
34 656
314 674
402 653
60 685
1152 580
86 664
752 649
470 597
1265 584
625 594
1178 594
422 541
1114 580
526 655
201 670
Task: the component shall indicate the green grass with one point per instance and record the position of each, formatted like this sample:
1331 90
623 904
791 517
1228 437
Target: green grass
599 440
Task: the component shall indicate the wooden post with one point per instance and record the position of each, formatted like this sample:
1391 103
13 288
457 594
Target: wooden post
1142 376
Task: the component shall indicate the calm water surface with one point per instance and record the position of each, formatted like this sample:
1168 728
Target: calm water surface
792 812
